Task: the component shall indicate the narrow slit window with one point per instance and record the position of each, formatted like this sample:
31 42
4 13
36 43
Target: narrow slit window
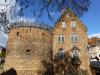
28 52
17 33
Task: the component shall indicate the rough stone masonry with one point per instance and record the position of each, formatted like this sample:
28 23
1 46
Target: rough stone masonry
32 47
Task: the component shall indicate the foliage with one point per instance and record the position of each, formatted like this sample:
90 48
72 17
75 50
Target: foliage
2 54
42 10
39 6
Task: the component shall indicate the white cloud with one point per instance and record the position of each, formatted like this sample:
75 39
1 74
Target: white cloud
6 6
95 35
23 19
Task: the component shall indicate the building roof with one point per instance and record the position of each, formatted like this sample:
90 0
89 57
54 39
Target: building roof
94 41
75 48
30 24
72 17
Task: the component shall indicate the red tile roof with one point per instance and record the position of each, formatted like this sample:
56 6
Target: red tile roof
93 41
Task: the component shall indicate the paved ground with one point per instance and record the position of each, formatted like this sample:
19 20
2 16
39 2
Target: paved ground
1 70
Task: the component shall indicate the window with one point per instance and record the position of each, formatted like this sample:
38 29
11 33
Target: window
42 34
75 53
92 56
73 24
67 15
63 24
61 38
74 37
28 52
17 33
61 53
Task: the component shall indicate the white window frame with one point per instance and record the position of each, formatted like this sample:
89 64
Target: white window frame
73 24
74 37
61 38
92 56
76 53
63 24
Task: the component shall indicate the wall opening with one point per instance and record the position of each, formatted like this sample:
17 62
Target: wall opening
28 52
17 33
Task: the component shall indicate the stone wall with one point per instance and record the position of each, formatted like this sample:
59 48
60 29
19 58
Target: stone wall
27 49
67 45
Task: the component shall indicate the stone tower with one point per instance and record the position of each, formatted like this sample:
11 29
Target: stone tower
70 46
29 48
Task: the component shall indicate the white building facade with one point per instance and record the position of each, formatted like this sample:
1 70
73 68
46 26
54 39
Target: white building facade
94 49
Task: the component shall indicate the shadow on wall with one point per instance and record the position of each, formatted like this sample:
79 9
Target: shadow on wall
11 71
63 66
49 68
58 66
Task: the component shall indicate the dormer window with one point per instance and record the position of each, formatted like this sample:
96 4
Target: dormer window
61 38
73 24
63 25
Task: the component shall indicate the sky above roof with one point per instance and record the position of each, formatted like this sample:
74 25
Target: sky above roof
92 18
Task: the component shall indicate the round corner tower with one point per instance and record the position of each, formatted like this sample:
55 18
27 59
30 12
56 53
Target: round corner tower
29 45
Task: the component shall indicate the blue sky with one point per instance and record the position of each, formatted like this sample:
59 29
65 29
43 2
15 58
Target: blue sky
92 18
3 39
